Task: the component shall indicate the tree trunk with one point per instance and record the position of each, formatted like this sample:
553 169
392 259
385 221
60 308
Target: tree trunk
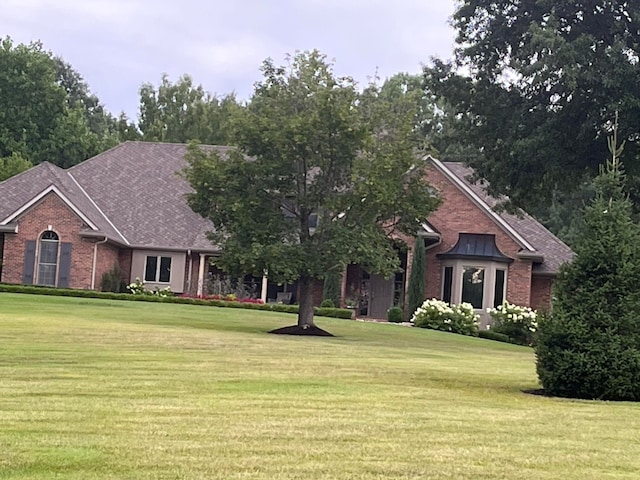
305 311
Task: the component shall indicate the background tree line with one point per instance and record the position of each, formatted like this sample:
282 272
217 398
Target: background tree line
527 101
48 113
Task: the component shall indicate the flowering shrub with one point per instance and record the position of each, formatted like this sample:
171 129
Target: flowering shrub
162 292
439 315
227 298
518 323
137 287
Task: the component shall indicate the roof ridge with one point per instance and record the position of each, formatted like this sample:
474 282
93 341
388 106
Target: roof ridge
48 165
97 207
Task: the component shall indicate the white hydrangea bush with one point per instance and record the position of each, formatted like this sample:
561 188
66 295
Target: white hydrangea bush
517 322
439 315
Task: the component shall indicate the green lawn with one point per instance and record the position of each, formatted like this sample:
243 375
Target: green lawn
128 390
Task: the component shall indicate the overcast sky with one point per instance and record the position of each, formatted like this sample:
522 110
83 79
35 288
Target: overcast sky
117 45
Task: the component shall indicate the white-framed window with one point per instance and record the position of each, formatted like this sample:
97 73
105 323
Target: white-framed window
48 258
157 269
483 284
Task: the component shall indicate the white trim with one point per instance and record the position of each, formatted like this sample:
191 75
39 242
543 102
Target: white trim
98 208
40 196
482 204
425 226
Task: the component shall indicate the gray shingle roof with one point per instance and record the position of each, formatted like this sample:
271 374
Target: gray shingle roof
23 188
554 251
138 186
131 193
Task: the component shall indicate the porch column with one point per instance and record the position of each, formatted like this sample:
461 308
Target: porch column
201 275
263 291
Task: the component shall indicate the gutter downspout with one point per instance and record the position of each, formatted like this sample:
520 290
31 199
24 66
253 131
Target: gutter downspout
95 260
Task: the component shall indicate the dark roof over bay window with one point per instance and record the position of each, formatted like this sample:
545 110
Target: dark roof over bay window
476 246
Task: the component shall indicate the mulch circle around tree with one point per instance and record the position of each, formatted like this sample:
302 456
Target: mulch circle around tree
301 330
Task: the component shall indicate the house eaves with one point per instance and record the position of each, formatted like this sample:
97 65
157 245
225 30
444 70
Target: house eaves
40 196
9 228
160 248
464 188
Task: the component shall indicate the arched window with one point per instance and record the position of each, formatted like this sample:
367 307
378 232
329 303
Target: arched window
48 258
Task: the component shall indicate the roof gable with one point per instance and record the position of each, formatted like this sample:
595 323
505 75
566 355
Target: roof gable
538 243
21 191
464 186
51 189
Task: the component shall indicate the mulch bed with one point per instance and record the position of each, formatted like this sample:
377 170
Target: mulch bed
301 330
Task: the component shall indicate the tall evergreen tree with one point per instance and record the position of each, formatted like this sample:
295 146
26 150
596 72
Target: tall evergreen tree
331 288
590 346
415 293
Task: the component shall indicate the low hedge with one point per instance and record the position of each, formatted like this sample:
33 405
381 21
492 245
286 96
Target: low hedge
271 307
493 335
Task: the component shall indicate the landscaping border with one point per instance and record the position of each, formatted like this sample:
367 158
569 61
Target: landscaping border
343 313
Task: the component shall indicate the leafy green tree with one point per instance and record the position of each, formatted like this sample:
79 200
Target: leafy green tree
415 291
10 166
181 112
46 110
540 83
126 130
313 151
590 346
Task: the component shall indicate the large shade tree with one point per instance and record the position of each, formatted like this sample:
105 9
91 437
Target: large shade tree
47 112
324 176
533 87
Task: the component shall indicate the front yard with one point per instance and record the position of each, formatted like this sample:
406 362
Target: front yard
111 390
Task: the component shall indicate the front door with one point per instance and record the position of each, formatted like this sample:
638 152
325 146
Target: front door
380 296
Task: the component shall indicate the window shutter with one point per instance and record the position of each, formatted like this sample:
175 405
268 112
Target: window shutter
29 262
64 268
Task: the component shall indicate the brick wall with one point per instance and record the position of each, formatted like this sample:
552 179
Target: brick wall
50 211
458 214
125 257
541 288
107 257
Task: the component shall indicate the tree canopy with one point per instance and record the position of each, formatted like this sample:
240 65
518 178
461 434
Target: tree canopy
12 165
46 110
534 85
181 112
324 176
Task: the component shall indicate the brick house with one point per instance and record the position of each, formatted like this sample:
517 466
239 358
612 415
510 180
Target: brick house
473 253
127 207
